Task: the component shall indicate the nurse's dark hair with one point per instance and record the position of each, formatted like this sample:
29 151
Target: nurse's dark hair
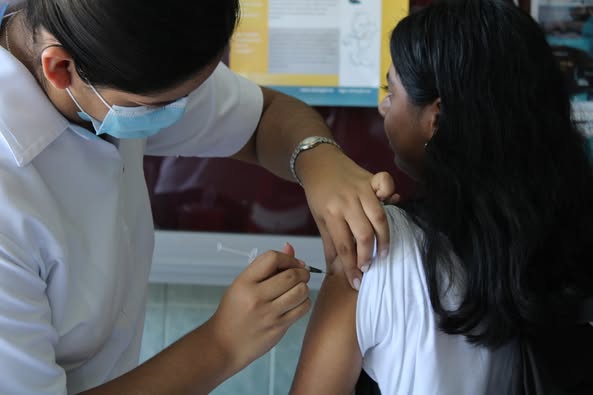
508 180
138 46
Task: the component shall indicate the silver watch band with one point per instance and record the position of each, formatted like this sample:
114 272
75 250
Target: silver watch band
307 144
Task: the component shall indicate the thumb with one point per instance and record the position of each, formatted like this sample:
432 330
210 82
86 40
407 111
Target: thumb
383 185
288 249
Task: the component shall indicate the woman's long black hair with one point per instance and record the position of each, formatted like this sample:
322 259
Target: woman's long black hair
508 179
137 46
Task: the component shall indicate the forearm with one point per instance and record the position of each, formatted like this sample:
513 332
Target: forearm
254 313
195 364
284 124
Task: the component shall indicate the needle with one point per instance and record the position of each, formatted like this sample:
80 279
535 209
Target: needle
312 269
252 254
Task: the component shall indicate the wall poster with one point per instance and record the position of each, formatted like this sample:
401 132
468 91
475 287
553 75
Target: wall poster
569 29
324 52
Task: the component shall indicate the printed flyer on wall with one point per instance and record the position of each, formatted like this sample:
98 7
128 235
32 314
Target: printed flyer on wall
324 52
569 30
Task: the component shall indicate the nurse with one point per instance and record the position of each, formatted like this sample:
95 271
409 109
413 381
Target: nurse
86 89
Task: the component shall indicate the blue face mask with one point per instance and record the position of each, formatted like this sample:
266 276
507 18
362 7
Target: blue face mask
133 122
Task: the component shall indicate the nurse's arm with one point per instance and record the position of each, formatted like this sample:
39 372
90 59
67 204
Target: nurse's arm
253 315
192 365
342 200
330 361
284 123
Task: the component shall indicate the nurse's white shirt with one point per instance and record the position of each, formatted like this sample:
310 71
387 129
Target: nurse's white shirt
402 347
76 232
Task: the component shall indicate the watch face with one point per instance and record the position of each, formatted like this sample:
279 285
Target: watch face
309 140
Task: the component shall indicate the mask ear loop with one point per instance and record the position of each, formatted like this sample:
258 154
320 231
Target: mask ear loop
99 96
3 14
74 100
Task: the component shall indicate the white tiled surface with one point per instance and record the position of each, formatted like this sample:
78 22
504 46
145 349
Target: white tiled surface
173 310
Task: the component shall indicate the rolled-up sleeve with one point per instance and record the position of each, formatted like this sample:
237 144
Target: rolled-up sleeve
220 117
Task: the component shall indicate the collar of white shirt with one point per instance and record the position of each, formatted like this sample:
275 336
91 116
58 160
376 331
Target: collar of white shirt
29 122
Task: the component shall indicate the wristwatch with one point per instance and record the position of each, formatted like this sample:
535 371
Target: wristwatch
307 144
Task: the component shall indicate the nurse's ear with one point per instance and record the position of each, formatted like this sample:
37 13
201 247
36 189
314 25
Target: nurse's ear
58 66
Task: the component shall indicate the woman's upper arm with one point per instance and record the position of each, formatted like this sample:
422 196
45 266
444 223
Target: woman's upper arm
330 360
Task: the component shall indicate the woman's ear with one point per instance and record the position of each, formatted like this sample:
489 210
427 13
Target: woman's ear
58 66
434 112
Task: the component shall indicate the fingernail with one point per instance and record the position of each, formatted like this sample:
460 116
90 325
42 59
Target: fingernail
364 268
356 283
301 262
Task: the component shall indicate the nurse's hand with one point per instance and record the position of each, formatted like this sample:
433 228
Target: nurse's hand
345 201
260 305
